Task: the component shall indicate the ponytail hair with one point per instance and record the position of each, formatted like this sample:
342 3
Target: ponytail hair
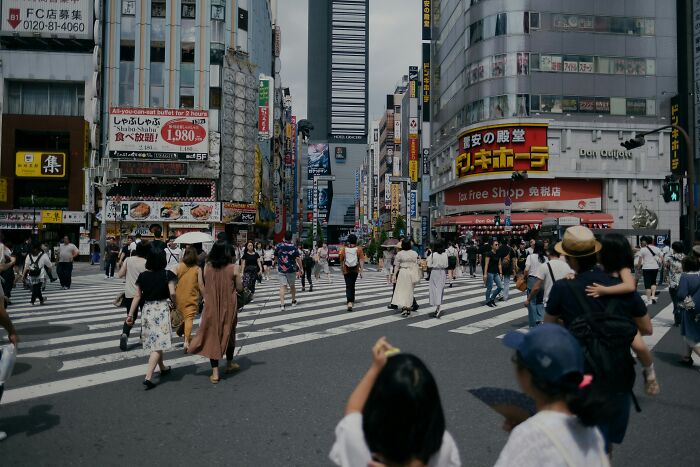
539 251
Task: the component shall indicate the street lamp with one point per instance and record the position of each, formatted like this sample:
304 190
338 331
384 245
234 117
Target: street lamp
639 141
407 181
318 178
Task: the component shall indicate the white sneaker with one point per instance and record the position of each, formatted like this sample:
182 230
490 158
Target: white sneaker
294 303
281 307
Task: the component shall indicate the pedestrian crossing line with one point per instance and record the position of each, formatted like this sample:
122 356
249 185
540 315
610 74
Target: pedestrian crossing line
523 330
63 351
102 316
64 340
56 308
84 316
662 323
449 317
489 323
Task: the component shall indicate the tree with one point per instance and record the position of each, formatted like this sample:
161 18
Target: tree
399 227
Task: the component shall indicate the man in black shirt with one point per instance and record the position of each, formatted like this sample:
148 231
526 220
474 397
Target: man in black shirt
580 248
493 272
472 253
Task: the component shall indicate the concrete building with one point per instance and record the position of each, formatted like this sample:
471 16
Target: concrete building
174 56
338 83
552 88
48 80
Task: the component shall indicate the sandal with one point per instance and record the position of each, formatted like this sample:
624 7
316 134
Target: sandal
213 379
651 386
406 312
232 368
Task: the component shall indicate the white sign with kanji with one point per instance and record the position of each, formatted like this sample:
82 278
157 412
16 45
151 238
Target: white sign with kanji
44 18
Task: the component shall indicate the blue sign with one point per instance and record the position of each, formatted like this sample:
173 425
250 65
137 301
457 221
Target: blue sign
414 203
424 228
507 223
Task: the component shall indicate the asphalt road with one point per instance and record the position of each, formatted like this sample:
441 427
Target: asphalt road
77 400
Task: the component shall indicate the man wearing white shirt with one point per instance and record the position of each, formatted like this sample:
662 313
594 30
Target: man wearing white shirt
649 260
554 270
173 254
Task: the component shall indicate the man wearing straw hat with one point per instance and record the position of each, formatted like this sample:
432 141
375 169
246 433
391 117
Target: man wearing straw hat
602 325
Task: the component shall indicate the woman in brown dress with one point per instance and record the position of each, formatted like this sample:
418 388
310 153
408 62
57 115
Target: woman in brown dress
216 335
190 286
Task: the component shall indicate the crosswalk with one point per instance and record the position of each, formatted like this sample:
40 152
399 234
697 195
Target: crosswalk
77 330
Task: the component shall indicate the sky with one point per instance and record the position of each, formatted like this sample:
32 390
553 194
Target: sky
394 45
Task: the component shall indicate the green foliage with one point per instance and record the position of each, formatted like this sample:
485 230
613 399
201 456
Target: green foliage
399 225
373 249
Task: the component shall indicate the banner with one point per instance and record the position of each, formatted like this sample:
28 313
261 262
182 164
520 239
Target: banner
264 108
503 148
238 213
161 134
164 211
153 169
533 194
323 197
413 157
40 164
426 82
319 160
678 149
426 19
42 18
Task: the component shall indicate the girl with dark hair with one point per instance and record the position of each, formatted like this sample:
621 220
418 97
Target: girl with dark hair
216 335
549 366
406 274
268 258
394 416
437 264
617 259
352 260
130 270
153 289
533 263
673 265
190 285
35 268
689 294
251 265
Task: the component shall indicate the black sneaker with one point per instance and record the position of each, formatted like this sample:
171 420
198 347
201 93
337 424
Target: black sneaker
491 304
392 307
122 342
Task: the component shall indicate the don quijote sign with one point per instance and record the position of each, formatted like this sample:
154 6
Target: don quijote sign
159 134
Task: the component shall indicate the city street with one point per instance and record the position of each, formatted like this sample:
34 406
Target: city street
76 399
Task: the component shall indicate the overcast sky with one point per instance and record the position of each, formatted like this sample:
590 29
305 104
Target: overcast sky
394 39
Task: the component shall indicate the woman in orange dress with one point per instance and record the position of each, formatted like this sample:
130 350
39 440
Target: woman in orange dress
216 335
190 286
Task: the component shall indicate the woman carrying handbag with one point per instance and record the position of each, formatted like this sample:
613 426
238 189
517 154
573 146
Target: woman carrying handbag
188 293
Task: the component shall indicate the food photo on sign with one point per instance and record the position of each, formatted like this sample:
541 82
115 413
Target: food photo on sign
204 211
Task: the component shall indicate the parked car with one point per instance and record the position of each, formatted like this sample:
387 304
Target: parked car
333 254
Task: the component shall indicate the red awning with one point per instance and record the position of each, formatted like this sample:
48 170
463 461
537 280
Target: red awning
525 218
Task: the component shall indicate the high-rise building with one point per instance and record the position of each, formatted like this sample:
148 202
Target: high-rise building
338 79
551 88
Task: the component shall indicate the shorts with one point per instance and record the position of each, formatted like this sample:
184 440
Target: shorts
267 263
287 279
649 277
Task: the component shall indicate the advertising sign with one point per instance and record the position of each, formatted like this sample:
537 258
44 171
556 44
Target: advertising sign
426 161
165 211
424 227
264 111
323 196
18 220
153 169
51 216
413 158
387 191
696 82
557 194
3 190
160 134
412 126
319 160
48 18
395 198
503 148
413 203
40 164
426 82
678 150
397 127
238 213
341 153
426 18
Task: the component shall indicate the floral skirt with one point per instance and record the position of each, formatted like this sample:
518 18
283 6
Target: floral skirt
155 321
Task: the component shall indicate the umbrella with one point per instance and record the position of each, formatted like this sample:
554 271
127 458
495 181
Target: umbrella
390 243
513 405
194 237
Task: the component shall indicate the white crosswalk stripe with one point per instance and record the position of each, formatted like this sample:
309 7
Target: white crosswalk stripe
85 351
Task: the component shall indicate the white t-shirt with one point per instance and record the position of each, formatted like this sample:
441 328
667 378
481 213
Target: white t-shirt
437 261
553 439
533 265
42 261
135 265
350 448
649 259
173 258
451 251
66 252
269 254
560 269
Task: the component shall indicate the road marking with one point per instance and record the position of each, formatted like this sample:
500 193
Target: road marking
662 323
485 324
458 315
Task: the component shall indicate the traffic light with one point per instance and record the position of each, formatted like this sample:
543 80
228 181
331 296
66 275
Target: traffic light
125 210
671 190
633 143
497 220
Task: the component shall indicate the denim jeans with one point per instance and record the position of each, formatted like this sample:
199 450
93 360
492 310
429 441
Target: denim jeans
535 312
506 286
490 279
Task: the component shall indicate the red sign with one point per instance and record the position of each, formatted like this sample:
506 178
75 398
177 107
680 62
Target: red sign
503 148
182 132
14 17
152 169
264 120
557 194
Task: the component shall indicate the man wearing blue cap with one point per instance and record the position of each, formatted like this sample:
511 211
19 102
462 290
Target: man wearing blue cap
549 366
604 326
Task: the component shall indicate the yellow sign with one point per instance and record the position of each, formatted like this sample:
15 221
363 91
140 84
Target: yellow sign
40 164
52 217
3 190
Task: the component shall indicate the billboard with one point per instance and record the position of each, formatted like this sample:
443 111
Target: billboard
323 197
159 134
238 213
413 157
319 160
40 164
503 148
532 194
426 19
264 108
44 18
426 82
164 211
678 149
153 169
341 153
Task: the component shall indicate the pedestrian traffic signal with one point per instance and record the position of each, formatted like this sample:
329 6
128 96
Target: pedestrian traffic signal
497 220
671 190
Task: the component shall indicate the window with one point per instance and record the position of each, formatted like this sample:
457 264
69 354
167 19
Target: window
569 104
158 10
618 106
189 10
636 107
45 98
186 102
602 105
499 66
218 13
128 7
523 63
534 20
214 98
636 67
550 104
127 53
501 24
242 19
586 104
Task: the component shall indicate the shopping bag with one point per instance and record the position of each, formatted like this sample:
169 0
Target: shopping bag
8 355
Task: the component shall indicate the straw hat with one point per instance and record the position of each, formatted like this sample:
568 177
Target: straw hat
578 241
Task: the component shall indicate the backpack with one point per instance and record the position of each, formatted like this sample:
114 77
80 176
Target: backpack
308 260
34 269
351 257
605 338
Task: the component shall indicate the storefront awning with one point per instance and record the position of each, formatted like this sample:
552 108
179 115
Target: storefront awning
524 218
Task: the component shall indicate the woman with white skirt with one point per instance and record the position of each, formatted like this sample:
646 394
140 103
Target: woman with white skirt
405 270
388 255
437 263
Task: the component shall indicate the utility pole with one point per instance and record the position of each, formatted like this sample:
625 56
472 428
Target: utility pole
108 177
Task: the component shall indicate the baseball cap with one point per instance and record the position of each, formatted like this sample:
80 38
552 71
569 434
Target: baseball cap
549 351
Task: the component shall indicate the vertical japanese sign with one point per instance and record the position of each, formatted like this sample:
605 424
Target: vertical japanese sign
426 18
413 157
426 82
397 124
387 191
264 111
678 150
426 161
413 203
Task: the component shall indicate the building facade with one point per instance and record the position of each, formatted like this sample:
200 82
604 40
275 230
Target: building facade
551 88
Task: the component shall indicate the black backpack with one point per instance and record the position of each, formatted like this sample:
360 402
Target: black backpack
605 337
34 269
